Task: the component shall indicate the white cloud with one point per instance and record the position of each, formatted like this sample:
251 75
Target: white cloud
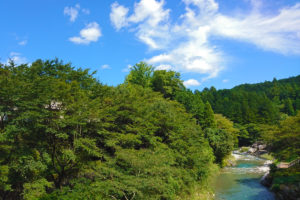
73 12
206 7
17 58
160 58
185 43
278 33
193 56
22 43
149 11
85 11
191 83
90 33
225 80
105 67
150 18
163 67
118 15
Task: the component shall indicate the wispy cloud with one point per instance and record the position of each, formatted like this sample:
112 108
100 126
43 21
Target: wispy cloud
278 33
91 33
225 80
191 83
85 11
17 58
22 43
73 12
185 43
105 67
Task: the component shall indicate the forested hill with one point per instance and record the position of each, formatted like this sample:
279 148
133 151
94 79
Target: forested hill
256 103
269 85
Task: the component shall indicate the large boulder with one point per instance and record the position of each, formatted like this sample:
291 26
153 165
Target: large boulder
254 145
252 150
266 180
262 147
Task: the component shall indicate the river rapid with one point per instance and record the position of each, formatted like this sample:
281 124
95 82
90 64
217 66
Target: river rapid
242 182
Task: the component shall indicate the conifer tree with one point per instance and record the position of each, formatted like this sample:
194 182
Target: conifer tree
208 120
288 107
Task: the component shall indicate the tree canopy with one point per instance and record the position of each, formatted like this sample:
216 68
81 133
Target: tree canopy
64 135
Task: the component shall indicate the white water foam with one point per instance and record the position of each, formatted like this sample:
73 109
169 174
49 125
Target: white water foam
251 169
242 156
247 170
236 156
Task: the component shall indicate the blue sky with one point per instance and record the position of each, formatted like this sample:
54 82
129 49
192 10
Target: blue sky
219 43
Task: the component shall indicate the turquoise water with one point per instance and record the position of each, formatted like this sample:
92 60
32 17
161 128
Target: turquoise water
242 182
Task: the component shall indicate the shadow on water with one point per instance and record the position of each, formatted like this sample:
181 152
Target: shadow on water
254 183
249 182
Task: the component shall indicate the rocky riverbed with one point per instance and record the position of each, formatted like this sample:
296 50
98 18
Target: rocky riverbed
257 149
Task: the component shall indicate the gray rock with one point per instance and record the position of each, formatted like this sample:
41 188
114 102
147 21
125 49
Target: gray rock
262 146
266 180
252 150
262 152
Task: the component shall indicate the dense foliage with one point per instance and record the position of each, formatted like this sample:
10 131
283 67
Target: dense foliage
64 135
222 140
256 103
285 140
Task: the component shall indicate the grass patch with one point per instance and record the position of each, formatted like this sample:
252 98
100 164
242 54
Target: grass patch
267 156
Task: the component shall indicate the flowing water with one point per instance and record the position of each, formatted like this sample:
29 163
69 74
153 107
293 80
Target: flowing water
242 182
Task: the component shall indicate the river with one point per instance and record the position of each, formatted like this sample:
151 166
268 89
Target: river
242 182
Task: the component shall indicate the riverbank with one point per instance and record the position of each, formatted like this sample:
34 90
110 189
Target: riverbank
204 190
285 183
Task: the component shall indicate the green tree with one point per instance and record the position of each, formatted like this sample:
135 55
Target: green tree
288 107
140 74
192 102
287 139
208 120
221 142
228 126
46 119
167 82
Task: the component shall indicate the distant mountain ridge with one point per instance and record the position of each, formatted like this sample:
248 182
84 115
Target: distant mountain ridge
256 103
